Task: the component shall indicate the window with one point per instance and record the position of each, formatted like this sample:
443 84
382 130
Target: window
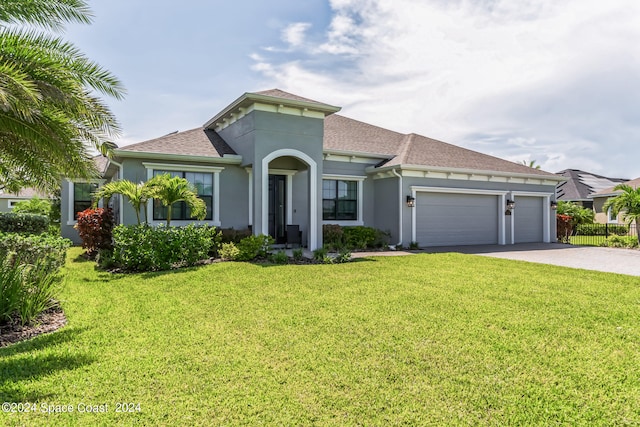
13 203
82 196
339 199
611 218
180 211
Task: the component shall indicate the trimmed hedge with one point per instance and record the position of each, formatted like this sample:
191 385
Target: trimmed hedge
145 248
601 229
336 237
48 251
23 223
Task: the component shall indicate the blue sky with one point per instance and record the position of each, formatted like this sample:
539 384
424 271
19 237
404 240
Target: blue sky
555 82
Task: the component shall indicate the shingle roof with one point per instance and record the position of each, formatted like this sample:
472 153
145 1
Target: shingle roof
26 193
580 184
634 183
348 135
194 142
277 93
342 133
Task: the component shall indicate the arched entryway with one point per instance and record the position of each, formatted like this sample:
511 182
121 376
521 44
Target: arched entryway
279 204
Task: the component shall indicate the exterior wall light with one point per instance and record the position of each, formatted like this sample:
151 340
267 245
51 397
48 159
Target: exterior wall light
411 202
554 205
511 205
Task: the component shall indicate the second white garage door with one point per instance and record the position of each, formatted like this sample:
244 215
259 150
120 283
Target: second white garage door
446 219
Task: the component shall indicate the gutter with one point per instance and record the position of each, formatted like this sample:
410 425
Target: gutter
395 172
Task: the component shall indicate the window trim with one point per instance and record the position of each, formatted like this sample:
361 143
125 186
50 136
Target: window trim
360 180
214 170
611 220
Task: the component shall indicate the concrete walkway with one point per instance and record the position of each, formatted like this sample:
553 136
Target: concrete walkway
610 260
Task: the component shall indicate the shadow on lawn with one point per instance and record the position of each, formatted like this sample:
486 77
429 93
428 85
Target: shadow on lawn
29 362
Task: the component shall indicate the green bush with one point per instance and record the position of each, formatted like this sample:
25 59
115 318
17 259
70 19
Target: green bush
343 256
231 235
252 247
229 251
298 254
620 242
34 205
27 290
144 248
279 257
357 237
23 223
601 229
46 250
333 236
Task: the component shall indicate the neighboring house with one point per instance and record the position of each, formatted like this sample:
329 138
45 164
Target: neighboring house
9 200
271 158
580 185
600 198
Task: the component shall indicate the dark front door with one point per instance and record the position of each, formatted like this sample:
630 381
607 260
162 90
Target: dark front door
278 207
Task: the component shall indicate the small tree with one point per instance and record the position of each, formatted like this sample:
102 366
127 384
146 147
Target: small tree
170 190
137 194
578 214
35 205
627 203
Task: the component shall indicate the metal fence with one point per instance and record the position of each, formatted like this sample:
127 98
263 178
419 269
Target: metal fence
596 234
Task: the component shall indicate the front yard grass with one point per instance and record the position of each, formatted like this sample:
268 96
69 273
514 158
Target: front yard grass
429 339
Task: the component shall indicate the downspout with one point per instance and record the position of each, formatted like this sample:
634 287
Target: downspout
395 172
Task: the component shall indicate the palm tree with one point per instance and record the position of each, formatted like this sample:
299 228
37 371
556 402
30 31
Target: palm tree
170 190
627 202
531 164
137 194
50 117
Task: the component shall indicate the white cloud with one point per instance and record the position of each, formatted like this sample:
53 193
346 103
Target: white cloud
294 34
485 74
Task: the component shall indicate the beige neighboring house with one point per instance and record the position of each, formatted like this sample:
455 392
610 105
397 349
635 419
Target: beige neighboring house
9 200
600 198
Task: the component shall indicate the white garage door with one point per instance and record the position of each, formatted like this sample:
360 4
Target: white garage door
444 219
528 222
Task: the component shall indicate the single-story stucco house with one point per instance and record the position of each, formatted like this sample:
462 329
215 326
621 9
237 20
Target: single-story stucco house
271 158
9 200
600 198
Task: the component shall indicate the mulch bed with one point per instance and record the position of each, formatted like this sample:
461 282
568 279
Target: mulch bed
49 321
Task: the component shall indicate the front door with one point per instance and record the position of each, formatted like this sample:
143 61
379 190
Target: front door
278 207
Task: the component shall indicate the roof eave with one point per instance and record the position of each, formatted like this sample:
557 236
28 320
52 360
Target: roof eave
249 98
423 168
227 158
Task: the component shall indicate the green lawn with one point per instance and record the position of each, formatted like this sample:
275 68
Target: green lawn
430 339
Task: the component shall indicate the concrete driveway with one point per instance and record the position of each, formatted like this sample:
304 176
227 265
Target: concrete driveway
610 260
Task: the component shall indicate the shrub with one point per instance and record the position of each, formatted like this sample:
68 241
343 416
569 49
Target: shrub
343 256
46 250
27 290
601 229
252 247
95 227
144 248
414 246
230 235
564 227
320 254
333 236
298 254
620 242
279 257
34 205
23 223
229 251
360 237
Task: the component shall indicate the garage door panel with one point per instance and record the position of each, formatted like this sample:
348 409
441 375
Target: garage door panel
444 219
528 222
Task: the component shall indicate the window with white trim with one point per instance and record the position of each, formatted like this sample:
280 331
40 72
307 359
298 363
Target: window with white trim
203 181
339 200
611 218
83 196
